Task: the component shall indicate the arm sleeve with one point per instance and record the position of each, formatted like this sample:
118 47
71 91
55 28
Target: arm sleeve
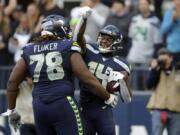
157 37
167 23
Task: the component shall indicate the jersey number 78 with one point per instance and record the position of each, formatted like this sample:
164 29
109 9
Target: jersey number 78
53 61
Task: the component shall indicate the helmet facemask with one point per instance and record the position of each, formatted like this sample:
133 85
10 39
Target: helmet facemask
105 43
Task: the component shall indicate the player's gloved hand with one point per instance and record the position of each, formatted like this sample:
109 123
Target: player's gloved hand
115 76
124 91
85 12
14 118
112 101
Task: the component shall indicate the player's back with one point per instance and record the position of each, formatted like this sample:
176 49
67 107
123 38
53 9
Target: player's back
49 66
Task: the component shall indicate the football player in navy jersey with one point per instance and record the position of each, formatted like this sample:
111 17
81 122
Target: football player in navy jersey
50 61
97 116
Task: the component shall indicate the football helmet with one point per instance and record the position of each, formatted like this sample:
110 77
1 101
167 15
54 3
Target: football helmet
109 39
56 25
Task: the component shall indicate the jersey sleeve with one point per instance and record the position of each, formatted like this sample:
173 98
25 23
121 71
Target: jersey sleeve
76 47
124 65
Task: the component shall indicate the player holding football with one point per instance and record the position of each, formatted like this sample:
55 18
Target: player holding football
50 61
97 116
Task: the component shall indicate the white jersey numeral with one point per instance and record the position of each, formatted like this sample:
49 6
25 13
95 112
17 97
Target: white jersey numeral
53 61
100 71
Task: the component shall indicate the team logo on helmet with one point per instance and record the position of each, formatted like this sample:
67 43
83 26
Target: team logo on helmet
55 25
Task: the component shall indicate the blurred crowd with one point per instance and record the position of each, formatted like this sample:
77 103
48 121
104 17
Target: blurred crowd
19 23
146 25
151 38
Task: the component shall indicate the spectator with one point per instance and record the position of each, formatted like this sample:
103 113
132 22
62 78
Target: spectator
8 10
5 57
49 7
170 28
15 18
145 35
121 19
132 6
32 12
34 20
20 37
164 104
167 4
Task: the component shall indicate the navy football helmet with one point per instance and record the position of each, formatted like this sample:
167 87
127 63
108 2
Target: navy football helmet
56 25
109 39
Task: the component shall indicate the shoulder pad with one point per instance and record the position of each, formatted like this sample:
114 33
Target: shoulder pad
93 48
123 63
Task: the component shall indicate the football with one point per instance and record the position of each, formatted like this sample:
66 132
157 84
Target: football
110 88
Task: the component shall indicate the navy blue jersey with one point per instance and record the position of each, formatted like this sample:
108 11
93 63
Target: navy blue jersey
49 66
99 64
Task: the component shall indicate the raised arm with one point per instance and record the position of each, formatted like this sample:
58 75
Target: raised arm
78 35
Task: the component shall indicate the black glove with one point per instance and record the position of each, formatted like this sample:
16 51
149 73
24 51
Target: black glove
14 118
